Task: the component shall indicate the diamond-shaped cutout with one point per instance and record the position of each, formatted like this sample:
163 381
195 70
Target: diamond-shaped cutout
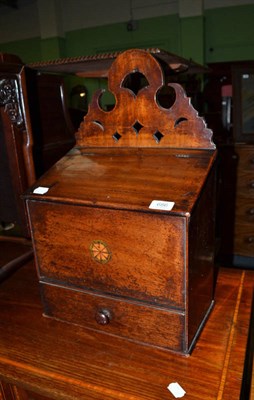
158 136
137 126
117 136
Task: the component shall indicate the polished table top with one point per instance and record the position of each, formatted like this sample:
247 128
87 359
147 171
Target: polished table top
63 361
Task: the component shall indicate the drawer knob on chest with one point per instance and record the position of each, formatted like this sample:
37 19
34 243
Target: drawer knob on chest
251 211
250 239
252 185
103 317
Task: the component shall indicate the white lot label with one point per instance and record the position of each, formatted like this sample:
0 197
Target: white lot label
41 190
176 390
162 205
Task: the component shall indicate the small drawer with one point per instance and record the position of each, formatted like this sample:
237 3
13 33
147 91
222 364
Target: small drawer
244 239
123 253
245 157
245 184
245 210
145 324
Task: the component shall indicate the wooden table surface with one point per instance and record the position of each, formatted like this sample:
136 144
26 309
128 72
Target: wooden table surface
63 361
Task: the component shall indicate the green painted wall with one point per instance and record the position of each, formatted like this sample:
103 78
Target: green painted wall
222 34
28 50
229 34
36 49
52 49
192 38
155 32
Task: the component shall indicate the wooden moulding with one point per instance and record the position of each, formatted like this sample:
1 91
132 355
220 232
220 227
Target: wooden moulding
97 65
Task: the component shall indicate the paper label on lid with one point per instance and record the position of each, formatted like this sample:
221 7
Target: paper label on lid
41 190
176 390
162 205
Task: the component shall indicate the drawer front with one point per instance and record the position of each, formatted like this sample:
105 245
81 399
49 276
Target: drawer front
245 157
130 254
245 210
245 184
149 325
244 239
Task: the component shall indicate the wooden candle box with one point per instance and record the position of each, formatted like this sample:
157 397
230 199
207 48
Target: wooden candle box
124 235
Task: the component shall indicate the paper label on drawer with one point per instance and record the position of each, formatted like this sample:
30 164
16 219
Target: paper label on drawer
162 205
176 390
41 190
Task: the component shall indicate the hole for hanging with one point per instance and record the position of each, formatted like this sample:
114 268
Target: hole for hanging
107 101
158 136
166 96
179 121
137 126
135 82
116 136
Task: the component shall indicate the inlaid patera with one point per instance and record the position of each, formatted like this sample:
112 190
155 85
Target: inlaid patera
100 251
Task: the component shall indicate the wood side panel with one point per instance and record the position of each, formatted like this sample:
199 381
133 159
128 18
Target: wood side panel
13 169
201 270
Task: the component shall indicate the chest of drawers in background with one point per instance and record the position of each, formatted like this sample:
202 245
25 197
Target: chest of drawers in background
244 215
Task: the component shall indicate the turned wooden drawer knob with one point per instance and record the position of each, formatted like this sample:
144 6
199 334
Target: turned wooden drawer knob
250 239
103 317
251 211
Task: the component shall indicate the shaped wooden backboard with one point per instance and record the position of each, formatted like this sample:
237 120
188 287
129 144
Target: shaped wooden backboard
138 119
